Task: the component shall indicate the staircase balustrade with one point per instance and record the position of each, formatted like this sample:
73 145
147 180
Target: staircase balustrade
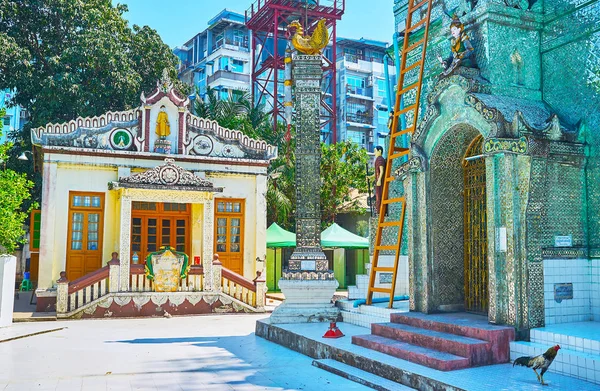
82 291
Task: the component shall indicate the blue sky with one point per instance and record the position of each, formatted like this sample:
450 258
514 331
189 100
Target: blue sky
176 22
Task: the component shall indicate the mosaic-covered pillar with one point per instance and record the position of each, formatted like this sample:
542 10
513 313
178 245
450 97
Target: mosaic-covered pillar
308 285
308 256
419 267
508 184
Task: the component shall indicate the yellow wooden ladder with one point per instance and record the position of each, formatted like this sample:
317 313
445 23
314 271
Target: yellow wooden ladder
410 79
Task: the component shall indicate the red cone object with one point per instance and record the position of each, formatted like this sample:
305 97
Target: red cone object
333 331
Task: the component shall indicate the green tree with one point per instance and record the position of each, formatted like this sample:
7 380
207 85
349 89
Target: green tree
70 58
342 169
14 189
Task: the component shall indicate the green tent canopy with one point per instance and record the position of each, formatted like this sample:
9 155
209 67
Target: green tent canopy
336 236
279 237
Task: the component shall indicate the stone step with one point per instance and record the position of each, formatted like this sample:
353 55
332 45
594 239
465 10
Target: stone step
568 362
424 356
359 376
466 325
476 350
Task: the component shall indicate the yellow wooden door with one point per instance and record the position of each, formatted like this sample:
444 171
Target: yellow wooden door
84 242
475 230
229 233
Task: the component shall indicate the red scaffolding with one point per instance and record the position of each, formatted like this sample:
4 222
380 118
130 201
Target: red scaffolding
268 20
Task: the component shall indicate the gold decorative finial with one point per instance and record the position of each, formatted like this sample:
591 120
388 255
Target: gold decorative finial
313 44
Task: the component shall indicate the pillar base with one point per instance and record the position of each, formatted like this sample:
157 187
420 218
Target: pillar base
306 301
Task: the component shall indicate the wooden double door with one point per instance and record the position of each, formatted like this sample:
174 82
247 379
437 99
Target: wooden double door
155 225
84 241
229 233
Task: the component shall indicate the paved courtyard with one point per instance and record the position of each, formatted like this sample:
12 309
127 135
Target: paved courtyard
189 353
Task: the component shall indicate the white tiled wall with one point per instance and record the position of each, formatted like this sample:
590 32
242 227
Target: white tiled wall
577 272
568 362
401 277
362 281
595 288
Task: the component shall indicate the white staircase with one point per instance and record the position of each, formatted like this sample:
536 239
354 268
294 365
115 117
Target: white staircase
359 291
365 315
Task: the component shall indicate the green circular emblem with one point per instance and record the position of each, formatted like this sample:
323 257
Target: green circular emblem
121 139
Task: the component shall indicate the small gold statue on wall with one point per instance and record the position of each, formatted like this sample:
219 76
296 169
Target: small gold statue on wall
462 50
313 44
163 128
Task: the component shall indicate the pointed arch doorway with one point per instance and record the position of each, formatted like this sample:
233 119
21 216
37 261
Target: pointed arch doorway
475 228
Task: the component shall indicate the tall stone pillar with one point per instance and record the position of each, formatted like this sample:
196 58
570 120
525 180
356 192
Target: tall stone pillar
308 285
308 256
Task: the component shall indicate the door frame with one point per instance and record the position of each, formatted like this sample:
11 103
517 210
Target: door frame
85 209
241 215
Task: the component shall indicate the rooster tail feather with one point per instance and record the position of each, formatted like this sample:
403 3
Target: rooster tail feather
522 361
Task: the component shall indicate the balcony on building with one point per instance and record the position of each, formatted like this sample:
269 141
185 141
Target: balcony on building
233 44
230 75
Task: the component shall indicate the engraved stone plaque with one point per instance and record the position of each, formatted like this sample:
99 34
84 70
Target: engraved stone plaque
563 292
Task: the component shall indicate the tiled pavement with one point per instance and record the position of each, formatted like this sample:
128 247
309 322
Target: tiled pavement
501 377
193 353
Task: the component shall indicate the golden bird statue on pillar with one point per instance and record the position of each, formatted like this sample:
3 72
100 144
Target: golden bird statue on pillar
313 44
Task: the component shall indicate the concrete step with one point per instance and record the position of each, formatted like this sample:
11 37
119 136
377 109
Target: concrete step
476 350
418 354
466 325
568 362
359 376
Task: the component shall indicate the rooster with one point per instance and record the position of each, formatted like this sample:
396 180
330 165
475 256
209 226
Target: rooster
542 362
313 44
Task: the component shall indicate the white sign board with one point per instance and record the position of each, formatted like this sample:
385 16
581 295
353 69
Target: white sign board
308 265
563 241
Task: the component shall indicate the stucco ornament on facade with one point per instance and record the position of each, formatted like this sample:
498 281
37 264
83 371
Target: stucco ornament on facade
171 175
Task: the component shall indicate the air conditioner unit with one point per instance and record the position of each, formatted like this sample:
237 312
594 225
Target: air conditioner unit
370 81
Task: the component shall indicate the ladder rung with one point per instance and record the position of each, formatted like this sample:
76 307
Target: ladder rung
383 269
389 223
408 108
420 22
389 178
380 290
393 201
402 132
415 7
406 89
399 154
413 66
389 247
414 45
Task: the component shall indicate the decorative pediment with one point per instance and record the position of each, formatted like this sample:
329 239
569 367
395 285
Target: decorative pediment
168 175
111 131
208 138
164 87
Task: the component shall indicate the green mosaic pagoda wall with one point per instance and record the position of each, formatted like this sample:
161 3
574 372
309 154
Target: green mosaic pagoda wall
571 84
551 53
